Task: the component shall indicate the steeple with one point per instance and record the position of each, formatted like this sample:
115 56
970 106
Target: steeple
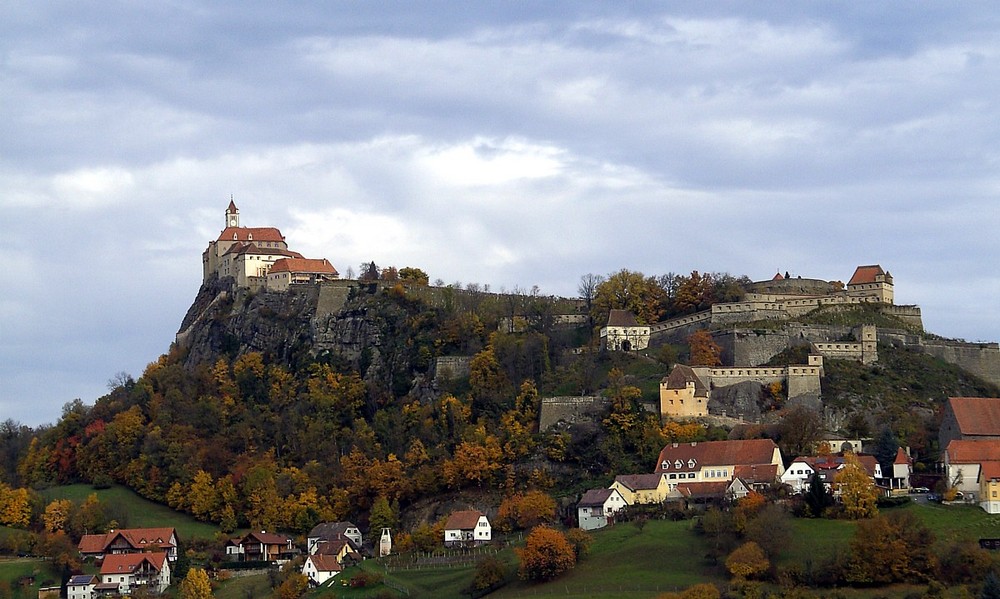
232 214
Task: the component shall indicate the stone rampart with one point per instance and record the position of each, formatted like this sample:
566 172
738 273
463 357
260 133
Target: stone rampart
451 367
571 409
981 359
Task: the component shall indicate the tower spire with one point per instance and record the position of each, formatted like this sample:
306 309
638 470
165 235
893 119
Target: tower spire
232 214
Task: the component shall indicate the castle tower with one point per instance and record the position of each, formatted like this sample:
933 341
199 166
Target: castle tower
232 214
869 344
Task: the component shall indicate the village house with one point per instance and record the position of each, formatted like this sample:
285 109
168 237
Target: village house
467 527
81 586
639 489
624 333
130 540
123 573
705 492
264 546
320 568
716 461
803 468
970 419
290 271
970 467
327 532
597 508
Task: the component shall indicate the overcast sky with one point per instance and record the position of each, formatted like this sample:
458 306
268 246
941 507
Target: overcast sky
507 143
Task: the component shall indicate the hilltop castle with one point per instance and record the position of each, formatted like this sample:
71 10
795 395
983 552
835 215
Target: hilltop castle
259 258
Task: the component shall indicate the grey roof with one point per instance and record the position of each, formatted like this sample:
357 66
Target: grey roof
331 530
595 497
82 579
683 374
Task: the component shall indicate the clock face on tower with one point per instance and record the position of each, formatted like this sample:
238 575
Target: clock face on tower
232 221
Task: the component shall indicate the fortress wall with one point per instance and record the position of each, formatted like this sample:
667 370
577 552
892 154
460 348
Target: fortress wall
676 323
803 383
908 314
452 367
746 347
572 409
723 377
981 359
841 351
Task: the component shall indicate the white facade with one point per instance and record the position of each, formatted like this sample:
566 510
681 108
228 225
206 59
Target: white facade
797 476
481 533
81 587
320 568
592 516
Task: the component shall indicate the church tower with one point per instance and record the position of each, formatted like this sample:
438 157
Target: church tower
232 215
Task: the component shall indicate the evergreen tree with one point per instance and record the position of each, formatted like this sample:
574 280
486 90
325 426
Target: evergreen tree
991 587
886 447
817 497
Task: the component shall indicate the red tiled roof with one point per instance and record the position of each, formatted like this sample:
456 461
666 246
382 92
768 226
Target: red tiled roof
990 470
307 265
681 375
972 452
866 274
703 490
129 562
622 318
464 520
778 277
334 547
901 457
267 538
716 453
139 538
325 563
756 473
232 206
976 415
246 234
637 482
238 249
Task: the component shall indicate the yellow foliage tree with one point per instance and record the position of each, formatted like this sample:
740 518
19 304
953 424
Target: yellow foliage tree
196 585
57 514
747 560
15 507
857 489
203 497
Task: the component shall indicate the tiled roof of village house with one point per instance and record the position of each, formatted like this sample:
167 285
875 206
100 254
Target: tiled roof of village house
681 375
325 563
622 318
990 470
971 452
267 538
866 274
638 482
82 579
329 530
703 490
129 562
595 497
716 453
309 265
778 277
464 520
901 457
138 538
976 415
245 234
756 473
830 463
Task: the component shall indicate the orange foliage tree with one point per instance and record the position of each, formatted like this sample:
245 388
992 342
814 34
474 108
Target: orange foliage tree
704 350
546 555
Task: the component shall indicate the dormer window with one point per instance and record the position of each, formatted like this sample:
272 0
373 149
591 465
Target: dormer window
691 463
665 465
678 464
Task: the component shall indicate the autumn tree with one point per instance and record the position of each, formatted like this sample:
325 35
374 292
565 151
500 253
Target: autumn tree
891 548
56 515
414 275
857 489
196 585
747 561
546 554
525 510
704 350
799 430
628 290
383 515
15 507
490 572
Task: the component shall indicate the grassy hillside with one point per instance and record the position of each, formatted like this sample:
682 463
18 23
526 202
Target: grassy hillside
11 571
132 511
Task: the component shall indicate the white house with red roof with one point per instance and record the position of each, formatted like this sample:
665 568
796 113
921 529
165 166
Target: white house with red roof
124 572
320 568
803 468
467 527
716 461
970 465
970 419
